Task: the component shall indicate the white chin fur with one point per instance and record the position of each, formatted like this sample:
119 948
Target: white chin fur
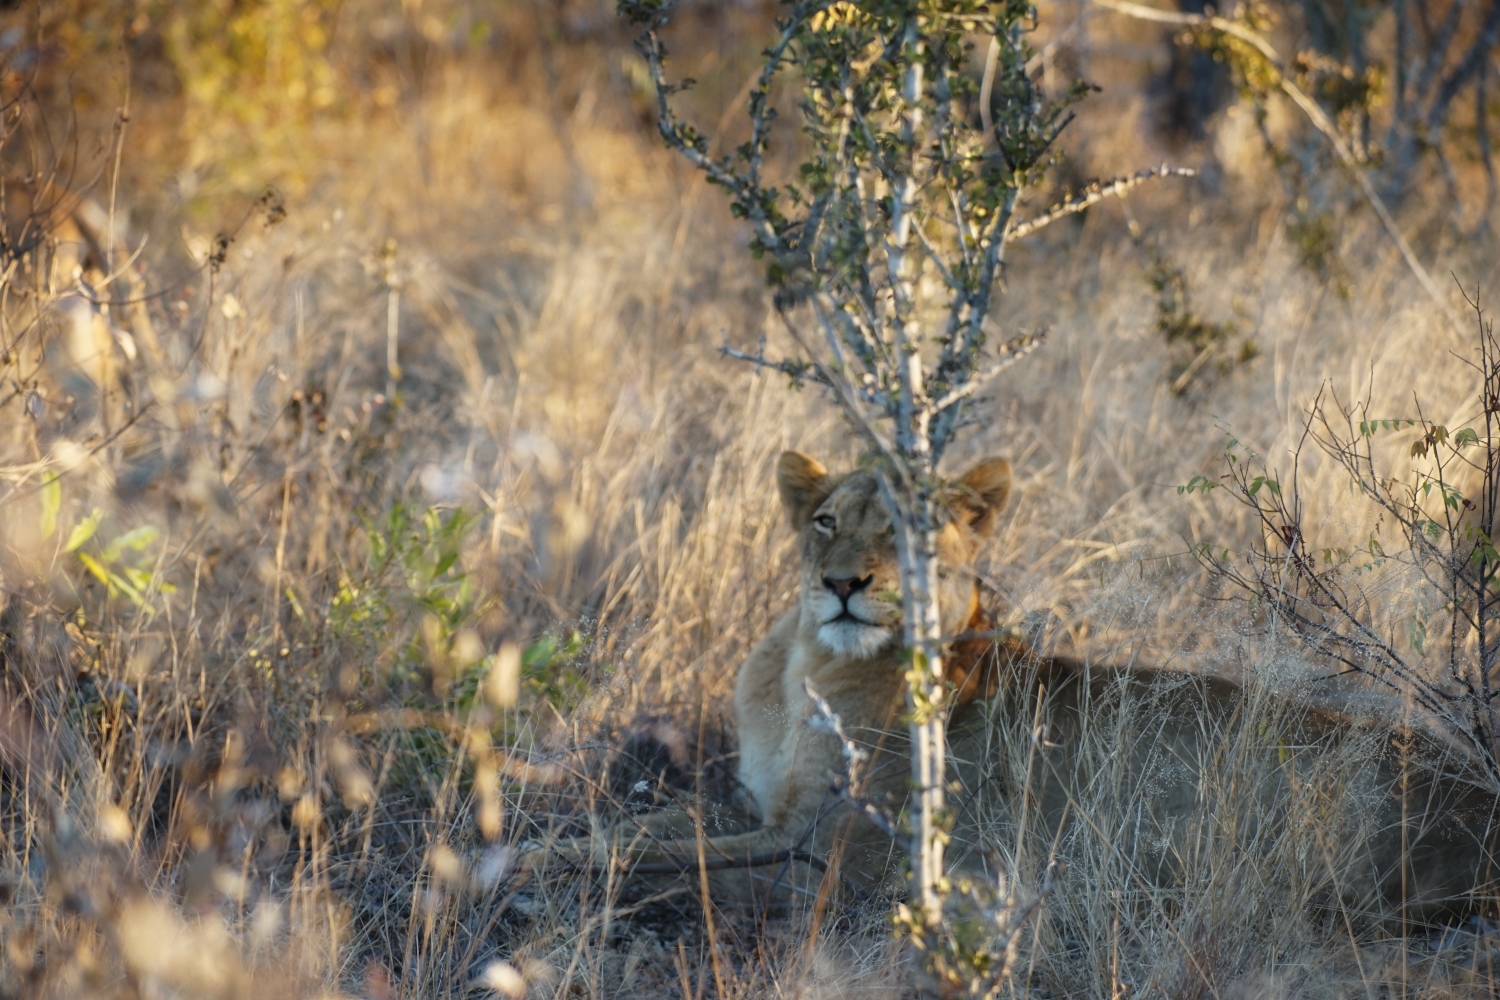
853 639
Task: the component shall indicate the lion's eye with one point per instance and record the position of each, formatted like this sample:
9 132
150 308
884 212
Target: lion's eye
825 521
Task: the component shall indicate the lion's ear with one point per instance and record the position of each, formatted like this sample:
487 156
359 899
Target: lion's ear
803 483
983 493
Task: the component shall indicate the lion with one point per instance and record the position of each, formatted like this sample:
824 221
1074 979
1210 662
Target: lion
1404 823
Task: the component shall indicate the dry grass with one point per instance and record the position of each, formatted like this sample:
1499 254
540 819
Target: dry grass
196 795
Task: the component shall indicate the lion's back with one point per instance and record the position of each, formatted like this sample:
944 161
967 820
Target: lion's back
1182 772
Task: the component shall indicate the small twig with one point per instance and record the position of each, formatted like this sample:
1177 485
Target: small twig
1092 195
1017 923
1012 352
1050 49
854 756
937 261
842 390
986 92
828 720
511 764
797 370
34 467
1181 384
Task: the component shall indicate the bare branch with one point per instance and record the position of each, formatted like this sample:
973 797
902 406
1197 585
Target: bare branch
937 261
1011 923
1092 195
987 90
843 396
1446 550
795 368
855 757
1472 63
1012 352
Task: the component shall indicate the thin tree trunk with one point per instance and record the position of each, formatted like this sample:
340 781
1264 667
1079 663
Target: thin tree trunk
915 515
917 546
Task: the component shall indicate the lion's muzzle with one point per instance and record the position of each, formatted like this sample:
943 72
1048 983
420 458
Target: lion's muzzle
852 621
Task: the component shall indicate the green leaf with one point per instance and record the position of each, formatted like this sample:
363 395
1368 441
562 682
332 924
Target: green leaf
120 584
139 578
444 564
51 503
539 654
291 596
94 567
84 531
135 538
1465 436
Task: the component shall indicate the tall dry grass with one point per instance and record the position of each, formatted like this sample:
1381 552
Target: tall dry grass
246 748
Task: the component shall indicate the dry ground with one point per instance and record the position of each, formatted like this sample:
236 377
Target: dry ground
253 578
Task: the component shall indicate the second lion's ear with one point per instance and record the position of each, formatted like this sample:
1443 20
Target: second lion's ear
983 493
803 483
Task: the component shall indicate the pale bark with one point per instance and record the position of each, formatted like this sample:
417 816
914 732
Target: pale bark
915 517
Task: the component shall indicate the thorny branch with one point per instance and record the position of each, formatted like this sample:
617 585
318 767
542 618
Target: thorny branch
1012 352
1446 525
848 785
1012 920
1092 195
794 368
901 182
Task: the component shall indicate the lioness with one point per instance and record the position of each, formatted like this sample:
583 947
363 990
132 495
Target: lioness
1171 752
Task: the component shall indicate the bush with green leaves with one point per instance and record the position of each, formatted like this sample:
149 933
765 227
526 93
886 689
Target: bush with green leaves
1417 613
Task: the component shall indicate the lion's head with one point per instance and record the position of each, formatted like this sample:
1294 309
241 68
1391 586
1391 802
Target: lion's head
850 586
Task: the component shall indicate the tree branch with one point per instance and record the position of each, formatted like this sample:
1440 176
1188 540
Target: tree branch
795 368
1012 352
1092 195
1315 114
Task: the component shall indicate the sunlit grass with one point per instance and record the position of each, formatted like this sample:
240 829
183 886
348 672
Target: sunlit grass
257 592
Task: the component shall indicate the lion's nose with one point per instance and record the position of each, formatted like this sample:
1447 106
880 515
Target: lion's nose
846 586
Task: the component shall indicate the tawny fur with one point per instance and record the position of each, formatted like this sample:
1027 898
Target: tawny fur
843 638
